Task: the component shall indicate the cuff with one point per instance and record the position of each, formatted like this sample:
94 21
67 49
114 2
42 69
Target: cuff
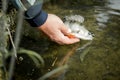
38 20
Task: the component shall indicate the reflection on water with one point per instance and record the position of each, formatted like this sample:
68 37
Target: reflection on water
98 61
102 18
103 13
114 7
114 4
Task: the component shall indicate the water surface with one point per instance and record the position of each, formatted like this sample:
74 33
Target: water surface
98 61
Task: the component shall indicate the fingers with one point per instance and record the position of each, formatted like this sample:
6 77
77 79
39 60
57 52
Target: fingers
65 30
66 36
70 41
61 39
67 40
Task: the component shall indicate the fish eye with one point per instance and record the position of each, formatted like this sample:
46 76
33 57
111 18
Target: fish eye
89 33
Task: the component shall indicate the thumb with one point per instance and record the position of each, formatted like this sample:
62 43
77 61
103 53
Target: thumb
65 30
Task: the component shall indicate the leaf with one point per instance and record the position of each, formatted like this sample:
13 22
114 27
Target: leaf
47 75
33 55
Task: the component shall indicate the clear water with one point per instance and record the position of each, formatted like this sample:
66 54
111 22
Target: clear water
100 60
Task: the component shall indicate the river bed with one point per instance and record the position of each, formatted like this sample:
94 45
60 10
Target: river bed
100 60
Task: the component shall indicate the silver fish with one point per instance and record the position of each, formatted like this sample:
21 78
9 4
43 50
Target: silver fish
77 29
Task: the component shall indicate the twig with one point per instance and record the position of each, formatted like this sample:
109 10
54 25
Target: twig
10 36
59 69
17 40
54 61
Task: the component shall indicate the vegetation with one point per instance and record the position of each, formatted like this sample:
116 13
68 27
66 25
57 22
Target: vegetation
7 39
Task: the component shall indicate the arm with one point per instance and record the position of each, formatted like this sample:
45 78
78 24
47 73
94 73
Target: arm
33 11
50 24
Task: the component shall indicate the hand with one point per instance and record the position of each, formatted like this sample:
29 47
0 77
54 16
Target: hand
56 30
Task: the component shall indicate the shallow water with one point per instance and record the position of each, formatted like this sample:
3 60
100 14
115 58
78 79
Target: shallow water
97 61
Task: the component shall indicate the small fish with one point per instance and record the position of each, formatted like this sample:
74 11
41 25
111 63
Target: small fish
78 30
82 32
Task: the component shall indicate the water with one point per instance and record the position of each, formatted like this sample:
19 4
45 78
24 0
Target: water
100 60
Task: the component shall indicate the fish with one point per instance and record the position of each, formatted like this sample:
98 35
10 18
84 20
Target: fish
77 30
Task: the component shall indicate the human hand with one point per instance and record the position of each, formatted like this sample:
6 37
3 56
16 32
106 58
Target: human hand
56 30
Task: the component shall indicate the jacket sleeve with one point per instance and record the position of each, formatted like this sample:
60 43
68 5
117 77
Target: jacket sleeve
33 11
